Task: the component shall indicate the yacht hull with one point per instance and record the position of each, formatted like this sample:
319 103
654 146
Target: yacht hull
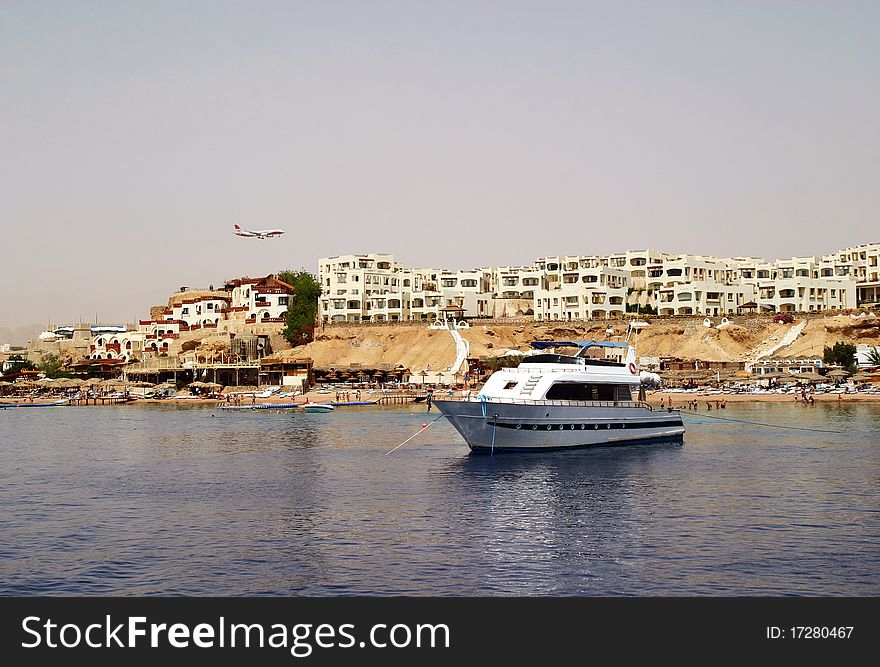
542 426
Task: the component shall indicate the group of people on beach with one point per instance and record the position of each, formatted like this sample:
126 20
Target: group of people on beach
238 399
809 400
693 404
347 396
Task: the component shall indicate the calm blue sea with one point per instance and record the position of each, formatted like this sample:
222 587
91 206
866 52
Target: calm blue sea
140 500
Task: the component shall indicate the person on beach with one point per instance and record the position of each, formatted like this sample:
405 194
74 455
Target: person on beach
428 399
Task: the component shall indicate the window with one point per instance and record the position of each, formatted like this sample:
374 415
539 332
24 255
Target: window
510 385
283 300
580 391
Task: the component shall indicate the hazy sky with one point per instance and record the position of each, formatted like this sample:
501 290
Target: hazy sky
133 135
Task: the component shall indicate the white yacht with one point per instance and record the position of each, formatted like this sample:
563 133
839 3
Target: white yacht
559 401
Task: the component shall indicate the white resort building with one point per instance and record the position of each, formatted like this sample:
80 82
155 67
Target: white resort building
376 288
239 303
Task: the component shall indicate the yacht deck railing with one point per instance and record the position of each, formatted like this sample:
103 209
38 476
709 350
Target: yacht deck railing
554 403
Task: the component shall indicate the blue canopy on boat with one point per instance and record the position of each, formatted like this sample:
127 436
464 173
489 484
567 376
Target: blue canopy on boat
544 344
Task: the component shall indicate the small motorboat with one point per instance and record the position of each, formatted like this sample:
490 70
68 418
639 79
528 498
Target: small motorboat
317 407
63 401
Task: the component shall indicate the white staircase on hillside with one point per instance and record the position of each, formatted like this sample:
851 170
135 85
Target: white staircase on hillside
462 348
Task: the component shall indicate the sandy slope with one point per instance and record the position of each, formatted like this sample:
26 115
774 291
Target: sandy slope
415 345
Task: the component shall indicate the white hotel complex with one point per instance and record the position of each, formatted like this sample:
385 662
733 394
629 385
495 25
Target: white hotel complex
376 288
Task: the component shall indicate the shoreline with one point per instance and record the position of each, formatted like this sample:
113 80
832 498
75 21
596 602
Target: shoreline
653 399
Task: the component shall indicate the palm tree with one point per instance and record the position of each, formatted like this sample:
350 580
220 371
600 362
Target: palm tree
874 356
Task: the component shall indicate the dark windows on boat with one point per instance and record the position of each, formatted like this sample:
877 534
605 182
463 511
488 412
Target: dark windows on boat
511 385
583 391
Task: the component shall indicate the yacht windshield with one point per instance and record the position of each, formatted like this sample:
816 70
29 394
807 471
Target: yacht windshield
583 391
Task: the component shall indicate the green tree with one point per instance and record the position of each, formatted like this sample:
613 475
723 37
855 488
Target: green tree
18 364
647 309
52 366
841 354
874 356
506 361
302 308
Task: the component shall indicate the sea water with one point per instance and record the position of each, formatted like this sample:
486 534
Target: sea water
183 500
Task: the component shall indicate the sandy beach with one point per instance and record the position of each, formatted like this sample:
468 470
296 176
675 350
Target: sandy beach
678 399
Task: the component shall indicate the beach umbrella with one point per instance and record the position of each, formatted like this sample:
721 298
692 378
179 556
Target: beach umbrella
204 385
809 377
772 376
838 373
94 381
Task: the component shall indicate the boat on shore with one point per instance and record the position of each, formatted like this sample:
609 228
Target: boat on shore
52 404
263 406
317 407
562 401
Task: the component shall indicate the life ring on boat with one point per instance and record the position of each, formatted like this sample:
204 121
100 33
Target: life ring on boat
632 368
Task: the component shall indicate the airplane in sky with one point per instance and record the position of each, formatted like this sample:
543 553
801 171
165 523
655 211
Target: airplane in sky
258 234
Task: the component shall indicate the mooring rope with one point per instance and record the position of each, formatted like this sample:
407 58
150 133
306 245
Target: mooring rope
745 421
424 428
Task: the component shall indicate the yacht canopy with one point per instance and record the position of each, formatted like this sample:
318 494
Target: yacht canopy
543 344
